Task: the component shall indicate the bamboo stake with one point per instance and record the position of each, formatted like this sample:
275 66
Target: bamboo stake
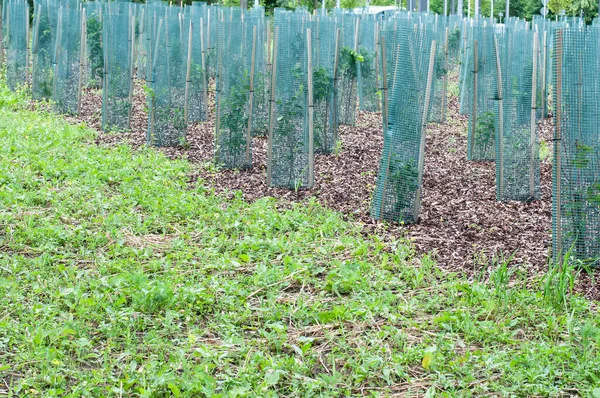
421 163
543 70
203 61
1 39
445 81
272 110
188 74
384 112
251 98
152 63
500 181
131 71
557 141
27 47
36 33
106 44
377 51
56 55
473 116
532 137
335 87
218 84
311 159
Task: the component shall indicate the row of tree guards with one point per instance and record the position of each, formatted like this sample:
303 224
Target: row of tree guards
296 77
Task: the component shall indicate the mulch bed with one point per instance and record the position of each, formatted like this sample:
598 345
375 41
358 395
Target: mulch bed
462 225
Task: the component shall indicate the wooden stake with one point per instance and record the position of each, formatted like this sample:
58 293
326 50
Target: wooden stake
152 102
311 159
27 47
543 70
106 44
1 40
335 87
533 135
36 34
188 75
131 71
384 111
251 98
203 61
445 81
499 86
473 116
218 84
557 142
272 109
56 54
417 209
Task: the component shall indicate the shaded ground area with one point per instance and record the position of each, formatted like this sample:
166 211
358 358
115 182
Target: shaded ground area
462 225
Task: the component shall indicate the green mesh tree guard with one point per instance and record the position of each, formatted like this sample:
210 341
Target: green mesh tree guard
212 22
368 89
260 105
517 160
324 118
140 41
17 24
167 87
44 32
576 163
481 134
67 61
94 49
347 70
117 39
440 75
154 12
197 85
397 195
233 145
290 153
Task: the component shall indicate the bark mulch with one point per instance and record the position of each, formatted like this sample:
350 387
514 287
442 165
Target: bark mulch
462 226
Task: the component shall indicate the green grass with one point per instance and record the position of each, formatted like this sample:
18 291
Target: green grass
117 279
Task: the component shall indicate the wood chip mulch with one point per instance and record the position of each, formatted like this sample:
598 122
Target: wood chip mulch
462 225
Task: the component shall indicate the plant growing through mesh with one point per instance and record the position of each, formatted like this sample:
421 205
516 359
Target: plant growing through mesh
322 101
369 93
403 178
233 124
95 50
348 73
290 163
43 74
485 133
583 199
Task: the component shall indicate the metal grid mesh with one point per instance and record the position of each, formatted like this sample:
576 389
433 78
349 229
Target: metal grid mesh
347 70
16 43
67 73
260 102
197 89
576 166
290 154
325 119
232 135
94 50
369 97
397 195
517 160
481 135
117 81
44 33
166 124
